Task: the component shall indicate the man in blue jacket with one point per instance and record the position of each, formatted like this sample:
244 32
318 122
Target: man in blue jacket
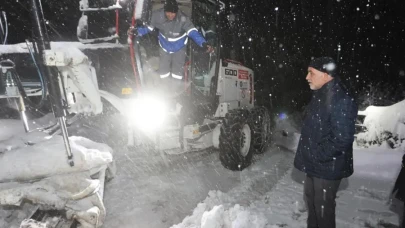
325 149
174 30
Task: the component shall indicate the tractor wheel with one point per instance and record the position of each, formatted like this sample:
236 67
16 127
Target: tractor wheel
235 140
261 129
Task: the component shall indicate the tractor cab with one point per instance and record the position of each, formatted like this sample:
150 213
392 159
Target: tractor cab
208 80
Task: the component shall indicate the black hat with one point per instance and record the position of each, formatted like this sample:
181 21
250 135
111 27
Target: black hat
171 6
324 64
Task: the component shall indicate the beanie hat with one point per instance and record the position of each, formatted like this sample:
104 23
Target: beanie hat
171 6
324 64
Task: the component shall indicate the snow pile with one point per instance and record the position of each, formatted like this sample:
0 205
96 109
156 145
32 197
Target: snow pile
39 157
36 155
222 215
383 123
235 217
48 157
212 219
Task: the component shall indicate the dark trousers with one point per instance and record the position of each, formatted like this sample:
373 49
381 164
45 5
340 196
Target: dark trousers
320 195
403 217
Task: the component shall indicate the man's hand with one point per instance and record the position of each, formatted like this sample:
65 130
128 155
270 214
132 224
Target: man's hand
210 49
131 31
207 47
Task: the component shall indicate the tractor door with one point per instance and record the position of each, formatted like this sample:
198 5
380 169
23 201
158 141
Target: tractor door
202 65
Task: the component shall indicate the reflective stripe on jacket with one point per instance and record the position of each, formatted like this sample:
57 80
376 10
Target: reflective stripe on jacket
173 35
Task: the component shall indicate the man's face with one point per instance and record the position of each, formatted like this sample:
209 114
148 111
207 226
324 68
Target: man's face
316 78
170 15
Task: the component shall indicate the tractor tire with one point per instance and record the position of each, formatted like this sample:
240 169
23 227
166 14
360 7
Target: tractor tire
235 140
261 129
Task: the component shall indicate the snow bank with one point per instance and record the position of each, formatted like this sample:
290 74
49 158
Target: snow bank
379 120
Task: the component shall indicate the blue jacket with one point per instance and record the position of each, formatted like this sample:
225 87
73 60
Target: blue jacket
173 35
325 149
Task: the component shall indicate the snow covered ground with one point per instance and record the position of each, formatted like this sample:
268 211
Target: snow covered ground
363 199
194 190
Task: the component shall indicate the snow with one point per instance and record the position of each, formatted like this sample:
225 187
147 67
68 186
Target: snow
362 198
363 201
82 26
139 8
34 168
29 223
47 157
22 47
84 6
269 194
381 163
102 39
212 219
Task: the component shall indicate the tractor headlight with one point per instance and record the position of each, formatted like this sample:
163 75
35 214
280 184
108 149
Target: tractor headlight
148 113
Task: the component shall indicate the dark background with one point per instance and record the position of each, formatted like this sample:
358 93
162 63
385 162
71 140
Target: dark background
277 44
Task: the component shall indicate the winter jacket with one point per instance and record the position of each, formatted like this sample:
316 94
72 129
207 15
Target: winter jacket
325 149
399 188
173 35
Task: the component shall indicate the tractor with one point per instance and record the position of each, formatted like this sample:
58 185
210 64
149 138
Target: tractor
216 107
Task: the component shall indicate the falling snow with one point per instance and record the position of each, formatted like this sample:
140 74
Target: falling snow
275 38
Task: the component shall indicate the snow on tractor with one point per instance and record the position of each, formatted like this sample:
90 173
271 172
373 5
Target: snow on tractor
215 106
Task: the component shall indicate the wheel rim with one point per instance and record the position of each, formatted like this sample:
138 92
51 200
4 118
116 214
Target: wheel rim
245 140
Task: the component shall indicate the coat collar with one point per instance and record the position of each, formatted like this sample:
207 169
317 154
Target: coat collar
327 87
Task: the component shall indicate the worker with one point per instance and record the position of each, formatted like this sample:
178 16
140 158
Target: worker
174 29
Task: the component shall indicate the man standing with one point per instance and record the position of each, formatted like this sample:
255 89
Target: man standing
174 30
325 151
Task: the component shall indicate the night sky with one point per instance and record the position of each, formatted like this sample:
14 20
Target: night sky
277 39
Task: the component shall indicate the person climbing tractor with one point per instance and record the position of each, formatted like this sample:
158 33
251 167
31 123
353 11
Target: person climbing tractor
174 29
